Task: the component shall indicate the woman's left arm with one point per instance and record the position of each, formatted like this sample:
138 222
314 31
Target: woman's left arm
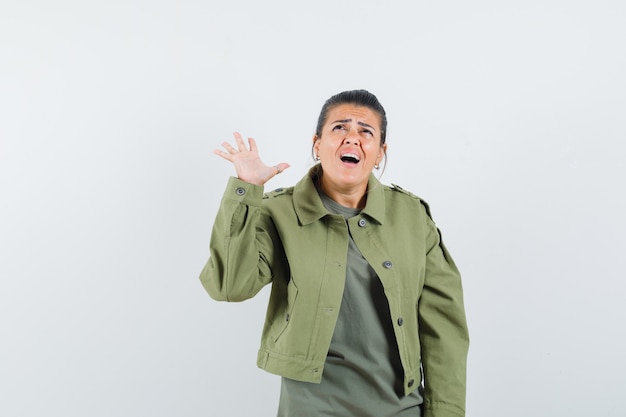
443 330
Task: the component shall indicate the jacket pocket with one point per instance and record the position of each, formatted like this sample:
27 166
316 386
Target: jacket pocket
292 295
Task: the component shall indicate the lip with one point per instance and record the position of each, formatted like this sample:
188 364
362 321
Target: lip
350 153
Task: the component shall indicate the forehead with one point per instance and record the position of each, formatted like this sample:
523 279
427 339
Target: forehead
355 113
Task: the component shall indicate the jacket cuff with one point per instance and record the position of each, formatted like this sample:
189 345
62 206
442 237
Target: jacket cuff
244 192
441 409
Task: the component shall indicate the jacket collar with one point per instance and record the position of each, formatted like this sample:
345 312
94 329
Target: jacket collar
309 207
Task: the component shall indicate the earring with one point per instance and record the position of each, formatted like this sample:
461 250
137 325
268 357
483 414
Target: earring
377 166
317 158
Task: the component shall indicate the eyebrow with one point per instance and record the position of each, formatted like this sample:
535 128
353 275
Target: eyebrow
359 123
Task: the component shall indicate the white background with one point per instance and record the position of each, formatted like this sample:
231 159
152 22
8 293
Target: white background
508 117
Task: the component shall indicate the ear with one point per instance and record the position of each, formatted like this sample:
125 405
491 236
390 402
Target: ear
382 152
316 143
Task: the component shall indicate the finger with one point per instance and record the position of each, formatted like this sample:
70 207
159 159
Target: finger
240 145
229 148
253 146
223 154
281 167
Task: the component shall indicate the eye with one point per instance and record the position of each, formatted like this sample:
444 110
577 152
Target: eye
339 127
368 132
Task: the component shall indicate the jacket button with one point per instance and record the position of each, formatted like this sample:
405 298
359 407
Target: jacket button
362 222
411 382
400 321
287 317
240 191
387 264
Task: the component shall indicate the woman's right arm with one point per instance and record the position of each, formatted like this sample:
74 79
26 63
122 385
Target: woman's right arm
241 245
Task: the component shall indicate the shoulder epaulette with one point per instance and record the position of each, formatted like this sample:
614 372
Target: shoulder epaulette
396 187
276 192
424 203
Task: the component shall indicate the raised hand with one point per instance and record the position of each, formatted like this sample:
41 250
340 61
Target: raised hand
247 162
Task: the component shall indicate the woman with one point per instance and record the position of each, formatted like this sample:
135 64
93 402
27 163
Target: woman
366 315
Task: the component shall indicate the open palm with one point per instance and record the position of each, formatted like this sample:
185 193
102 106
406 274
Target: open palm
247 162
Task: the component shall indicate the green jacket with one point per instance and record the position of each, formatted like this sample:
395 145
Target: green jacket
288 238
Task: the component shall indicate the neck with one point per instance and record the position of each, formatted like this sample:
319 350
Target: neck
352 197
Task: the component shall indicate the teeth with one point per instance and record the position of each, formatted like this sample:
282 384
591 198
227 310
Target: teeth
350 155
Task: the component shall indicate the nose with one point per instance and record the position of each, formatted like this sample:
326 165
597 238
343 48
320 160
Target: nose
352 136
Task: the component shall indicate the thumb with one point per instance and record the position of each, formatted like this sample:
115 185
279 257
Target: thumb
281 167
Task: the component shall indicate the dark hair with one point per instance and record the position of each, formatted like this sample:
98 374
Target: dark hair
361 98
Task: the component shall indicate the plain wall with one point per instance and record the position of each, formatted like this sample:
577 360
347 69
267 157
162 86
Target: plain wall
507 117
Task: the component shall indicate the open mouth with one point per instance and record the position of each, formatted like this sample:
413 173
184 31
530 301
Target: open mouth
350 158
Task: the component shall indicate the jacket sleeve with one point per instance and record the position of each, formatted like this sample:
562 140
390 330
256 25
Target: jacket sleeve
240 245
443 330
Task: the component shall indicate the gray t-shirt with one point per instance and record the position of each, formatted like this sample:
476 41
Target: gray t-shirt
363 374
